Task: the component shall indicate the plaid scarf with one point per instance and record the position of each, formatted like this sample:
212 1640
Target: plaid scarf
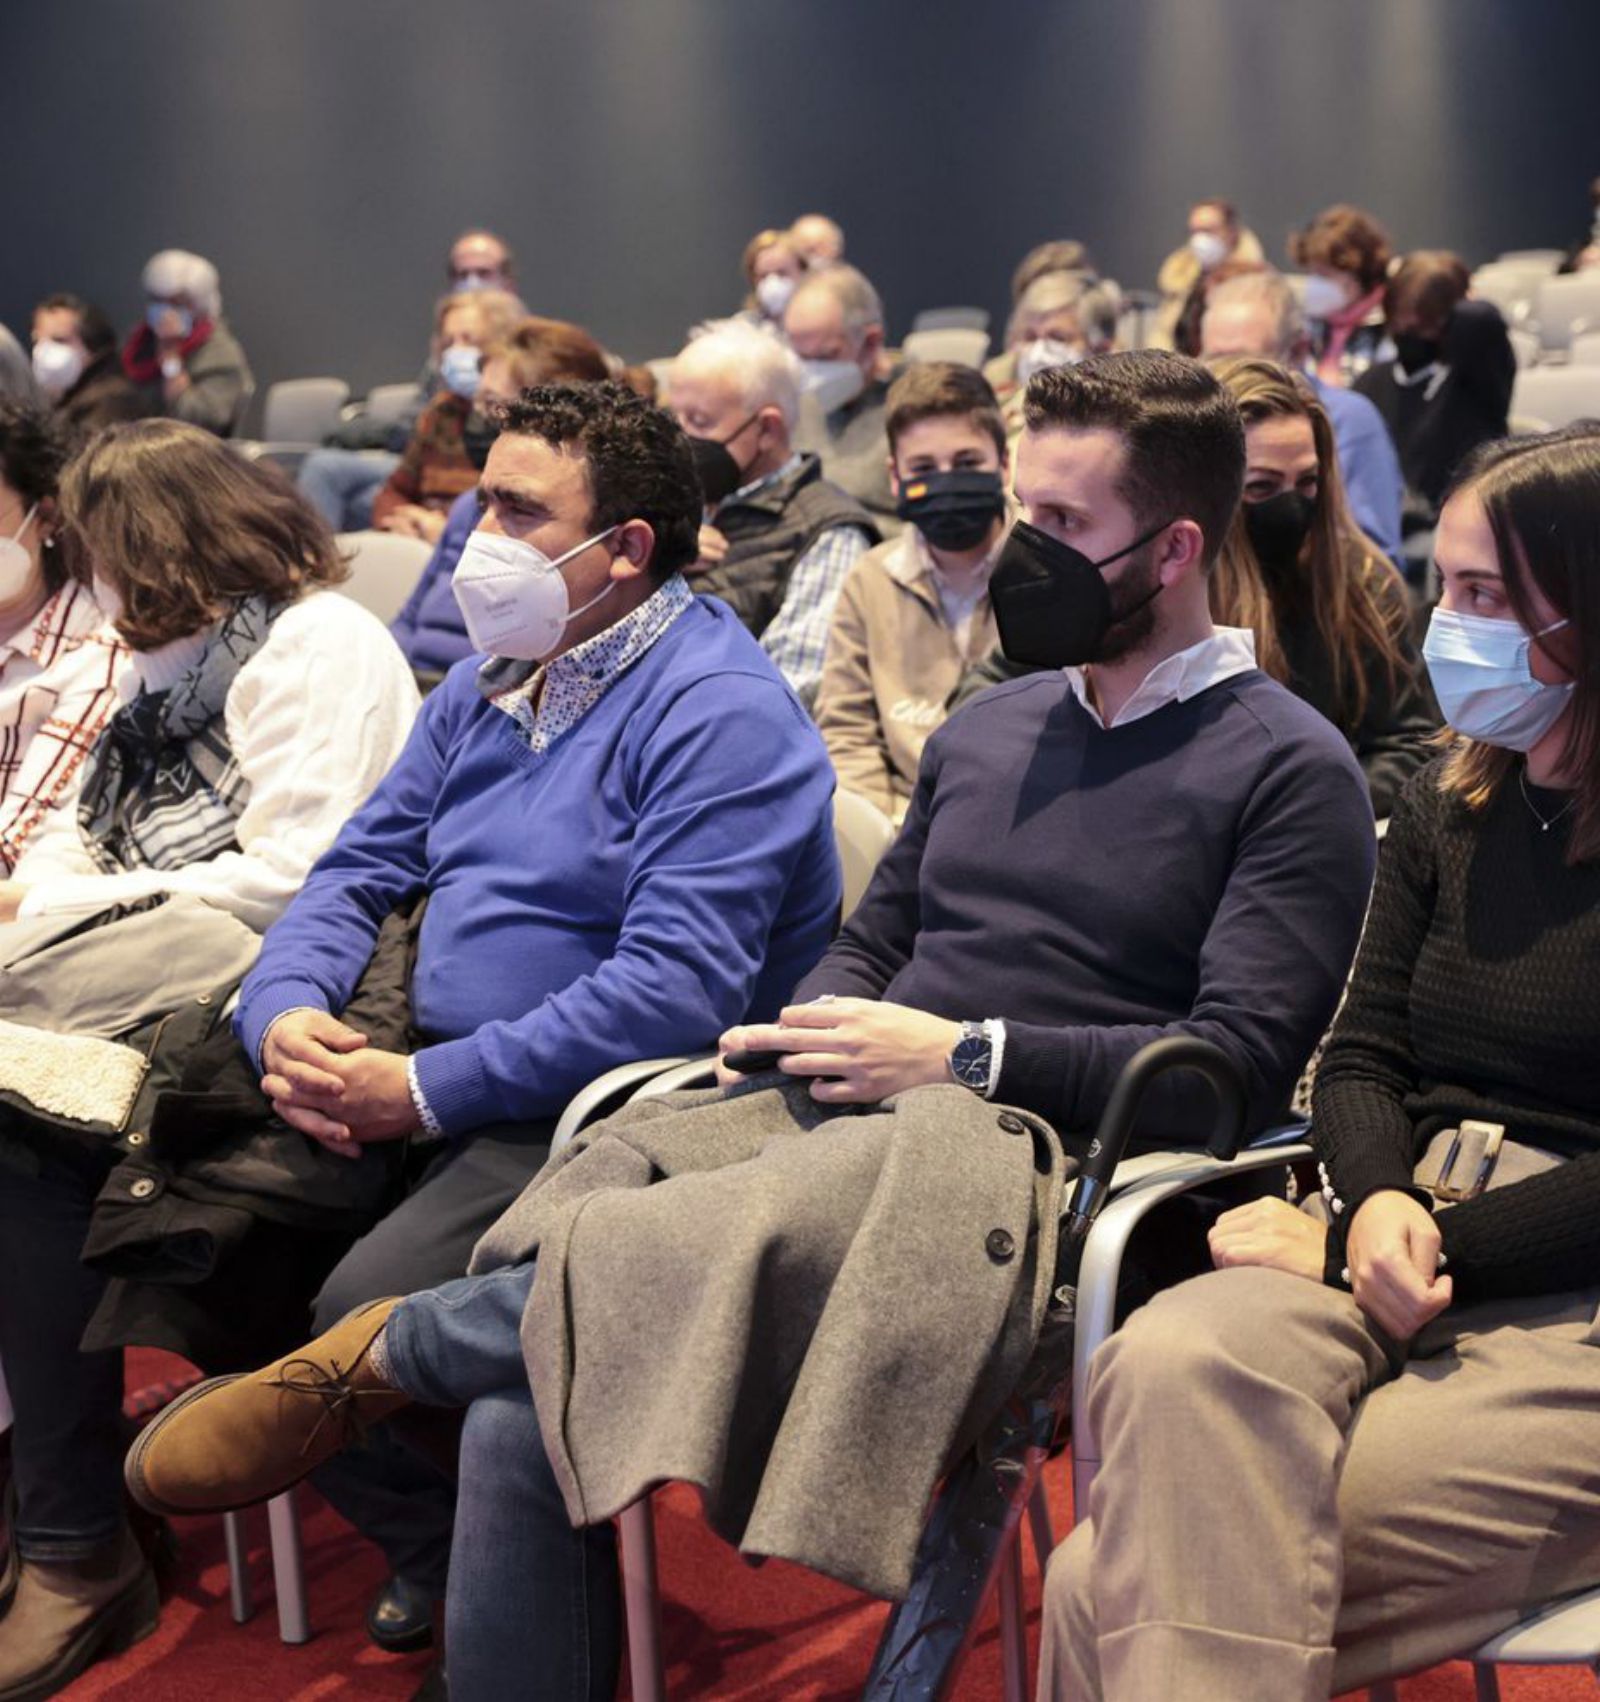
164 790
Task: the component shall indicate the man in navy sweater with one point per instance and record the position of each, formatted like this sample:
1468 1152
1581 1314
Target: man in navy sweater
1152 838
622 827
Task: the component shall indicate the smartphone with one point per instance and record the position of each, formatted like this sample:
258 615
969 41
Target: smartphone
752 1063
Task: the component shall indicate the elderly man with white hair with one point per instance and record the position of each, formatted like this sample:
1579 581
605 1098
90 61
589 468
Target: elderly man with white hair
778 538
183 353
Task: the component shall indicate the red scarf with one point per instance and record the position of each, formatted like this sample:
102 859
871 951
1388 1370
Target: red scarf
141 354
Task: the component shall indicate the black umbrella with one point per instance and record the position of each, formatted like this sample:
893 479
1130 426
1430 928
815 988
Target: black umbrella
981 1500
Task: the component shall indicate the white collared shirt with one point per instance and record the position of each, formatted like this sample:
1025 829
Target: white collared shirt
1228 651
915 560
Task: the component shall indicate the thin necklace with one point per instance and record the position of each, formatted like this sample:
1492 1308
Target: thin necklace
1545 822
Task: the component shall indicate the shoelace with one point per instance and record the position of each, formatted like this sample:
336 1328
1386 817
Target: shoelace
340 1403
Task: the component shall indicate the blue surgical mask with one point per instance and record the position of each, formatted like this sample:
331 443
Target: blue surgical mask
458 367
157 311
1485 685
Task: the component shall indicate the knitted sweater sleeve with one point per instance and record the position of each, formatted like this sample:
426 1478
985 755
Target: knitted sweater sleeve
1539 1236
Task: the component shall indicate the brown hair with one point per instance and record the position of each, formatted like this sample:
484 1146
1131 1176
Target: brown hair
1541 496
940 389
1061 255
1341 565
1426 287
181 526
760 243
549 351
498 311
1347 240
1182 438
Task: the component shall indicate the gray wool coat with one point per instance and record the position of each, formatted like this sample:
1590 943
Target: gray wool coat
804 1310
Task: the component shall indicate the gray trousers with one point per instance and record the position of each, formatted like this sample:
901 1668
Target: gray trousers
1289 1508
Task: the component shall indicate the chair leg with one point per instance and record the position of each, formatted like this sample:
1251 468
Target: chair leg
1044 1541
288 1569
1013 1625
240 1600
641 1594
1487 1681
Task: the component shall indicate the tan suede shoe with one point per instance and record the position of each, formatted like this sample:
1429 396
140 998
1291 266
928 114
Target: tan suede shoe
233 1441
67 1615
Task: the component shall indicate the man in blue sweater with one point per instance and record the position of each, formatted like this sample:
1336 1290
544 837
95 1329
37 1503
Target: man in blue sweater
1151 838
621 825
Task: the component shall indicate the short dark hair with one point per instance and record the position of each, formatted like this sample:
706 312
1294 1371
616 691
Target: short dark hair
639 463
1427 287
941 389
96 331
1345 239
1182 435
33 453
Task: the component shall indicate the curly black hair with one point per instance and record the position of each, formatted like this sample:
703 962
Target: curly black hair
33 452
639 463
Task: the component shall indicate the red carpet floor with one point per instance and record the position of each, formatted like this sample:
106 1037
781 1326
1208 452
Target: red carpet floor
733 1633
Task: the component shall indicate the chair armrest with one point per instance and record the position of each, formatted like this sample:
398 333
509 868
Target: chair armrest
686 1072
1103 1252
606 1094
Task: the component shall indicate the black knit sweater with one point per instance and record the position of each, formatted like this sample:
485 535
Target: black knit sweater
1476 993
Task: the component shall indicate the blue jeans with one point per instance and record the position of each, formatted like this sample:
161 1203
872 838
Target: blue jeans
533 1607
341 483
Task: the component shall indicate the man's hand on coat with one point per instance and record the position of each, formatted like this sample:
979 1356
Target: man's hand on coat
872 1049
326 1081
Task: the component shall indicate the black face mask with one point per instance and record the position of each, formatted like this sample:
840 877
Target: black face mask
720 474
477 438
1051 602
953 511
1415 352
1277 529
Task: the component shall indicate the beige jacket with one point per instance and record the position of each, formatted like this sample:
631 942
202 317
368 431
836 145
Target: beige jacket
893 661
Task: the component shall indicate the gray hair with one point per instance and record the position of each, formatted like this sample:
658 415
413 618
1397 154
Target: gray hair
766 371
175 271
1272 291
1096 304
860 305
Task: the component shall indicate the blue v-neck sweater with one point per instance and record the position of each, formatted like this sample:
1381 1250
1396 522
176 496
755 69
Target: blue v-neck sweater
664 870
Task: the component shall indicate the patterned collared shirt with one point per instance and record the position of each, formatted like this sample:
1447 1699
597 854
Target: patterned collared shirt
58 686
550 699
797 638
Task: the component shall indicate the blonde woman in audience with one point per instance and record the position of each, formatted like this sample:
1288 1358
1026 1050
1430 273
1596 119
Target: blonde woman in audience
773 267
183 355
1330 615
1366 1442
58 659
259 711
434 467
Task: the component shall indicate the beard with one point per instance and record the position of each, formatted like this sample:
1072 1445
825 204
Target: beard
1133 608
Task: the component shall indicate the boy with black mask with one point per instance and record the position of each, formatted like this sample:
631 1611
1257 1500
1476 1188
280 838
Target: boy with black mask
914 613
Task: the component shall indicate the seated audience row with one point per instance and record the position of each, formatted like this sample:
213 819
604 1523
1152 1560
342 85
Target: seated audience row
1019 937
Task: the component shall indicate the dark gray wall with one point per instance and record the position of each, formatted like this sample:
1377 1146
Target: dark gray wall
323 152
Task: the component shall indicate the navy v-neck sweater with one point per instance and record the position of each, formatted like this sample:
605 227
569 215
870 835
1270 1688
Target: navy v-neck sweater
1202 870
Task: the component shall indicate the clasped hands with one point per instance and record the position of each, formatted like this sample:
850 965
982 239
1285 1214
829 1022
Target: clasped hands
857 1051
327 1081
1392 1246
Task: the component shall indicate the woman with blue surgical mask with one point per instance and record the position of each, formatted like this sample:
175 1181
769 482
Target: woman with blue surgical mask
1417 1344
435 467
182 353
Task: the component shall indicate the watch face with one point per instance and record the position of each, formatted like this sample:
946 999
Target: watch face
969 1062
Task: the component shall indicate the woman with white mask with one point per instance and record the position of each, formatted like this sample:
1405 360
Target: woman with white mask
76 368
58 658
1411 1471
773 268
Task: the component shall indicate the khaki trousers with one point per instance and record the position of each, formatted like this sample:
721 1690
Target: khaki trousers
1289 1508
